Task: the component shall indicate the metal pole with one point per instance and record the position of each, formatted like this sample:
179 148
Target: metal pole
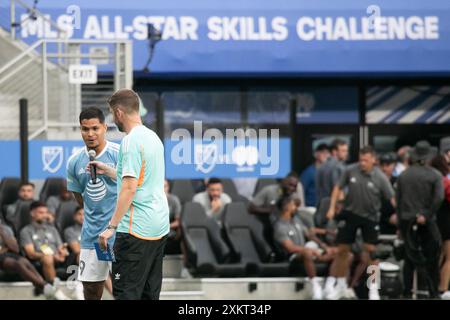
128 65
45 84
160 118
13 19
23 139
117 84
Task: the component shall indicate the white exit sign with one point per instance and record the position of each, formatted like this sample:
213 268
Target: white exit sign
82 74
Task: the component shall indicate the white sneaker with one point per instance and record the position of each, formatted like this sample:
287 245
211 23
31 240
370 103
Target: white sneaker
336 293
59 295
316 290
350 294
49 291
330 283
445 295
79 291
328 290
374 294
56 282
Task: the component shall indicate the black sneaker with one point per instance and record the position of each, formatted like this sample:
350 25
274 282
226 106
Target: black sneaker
37 291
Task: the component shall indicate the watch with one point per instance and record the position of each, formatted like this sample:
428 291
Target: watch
111 227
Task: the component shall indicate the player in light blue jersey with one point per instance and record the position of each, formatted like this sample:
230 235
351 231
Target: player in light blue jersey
97 197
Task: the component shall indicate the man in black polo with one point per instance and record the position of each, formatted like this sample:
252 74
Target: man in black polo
420 192
366 186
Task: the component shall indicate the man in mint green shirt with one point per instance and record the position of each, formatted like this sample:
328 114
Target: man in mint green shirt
141 218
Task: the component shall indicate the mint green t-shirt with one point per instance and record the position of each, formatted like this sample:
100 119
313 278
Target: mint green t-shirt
141 156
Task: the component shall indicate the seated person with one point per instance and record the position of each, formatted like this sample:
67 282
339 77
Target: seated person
213 199
291 235
173 240
13 263
329 234
42 243
72 234
53 202
264 204
26 193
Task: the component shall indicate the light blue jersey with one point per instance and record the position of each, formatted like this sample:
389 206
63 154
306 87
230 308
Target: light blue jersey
99 198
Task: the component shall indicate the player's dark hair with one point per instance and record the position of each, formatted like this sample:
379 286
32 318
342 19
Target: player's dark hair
37 204
322 147
336 144
26 183
283 201
367 150
92 113
213 181
77 209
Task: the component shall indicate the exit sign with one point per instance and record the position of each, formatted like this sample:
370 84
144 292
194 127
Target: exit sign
82 74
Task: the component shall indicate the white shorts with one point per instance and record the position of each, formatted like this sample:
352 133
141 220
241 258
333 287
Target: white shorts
90 268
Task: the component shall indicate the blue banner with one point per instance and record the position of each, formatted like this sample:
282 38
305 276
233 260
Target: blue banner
46 158
185 160
285 36
225 158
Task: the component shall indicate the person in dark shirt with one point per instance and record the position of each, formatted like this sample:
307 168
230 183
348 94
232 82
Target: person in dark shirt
420 193
25 194
443 220
72 234
264 204
173 245
54 202
42 243
388 219
292 235
12 262
367 186
308 176
330 171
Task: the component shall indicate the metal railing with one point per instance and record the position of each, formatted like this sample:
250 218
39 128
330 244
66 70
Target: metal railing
40 74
